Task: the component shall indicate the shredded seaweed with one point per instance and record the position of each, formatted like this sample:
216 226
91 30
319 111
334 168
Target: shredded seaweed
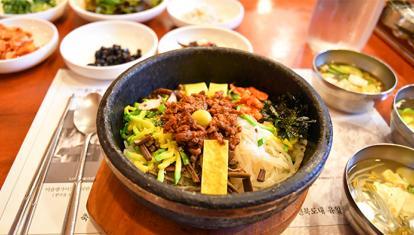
288 116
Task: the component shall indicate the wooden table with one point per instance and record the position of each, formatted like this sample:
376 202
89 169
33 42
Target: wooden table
276 28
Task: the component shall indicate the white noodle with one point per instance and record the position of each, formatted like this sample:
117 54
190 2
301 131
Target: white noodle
278 164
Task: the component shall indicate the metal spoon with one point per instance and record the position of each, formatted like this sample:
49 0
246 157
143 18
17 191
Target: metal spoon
84 119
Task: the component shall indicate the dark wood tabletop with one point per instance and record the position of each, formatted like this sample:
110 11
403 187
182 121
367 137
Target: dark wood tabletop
276 28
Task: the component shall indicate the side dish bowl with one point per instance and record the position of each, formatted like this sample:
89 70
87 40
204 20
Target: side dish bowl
50 14
392 152
79 46
79 7
45 37
220 36
349 101
220 65
400 132
224 13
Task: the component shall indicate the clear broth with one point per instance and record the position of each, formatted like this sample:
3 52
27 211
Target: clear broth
389 205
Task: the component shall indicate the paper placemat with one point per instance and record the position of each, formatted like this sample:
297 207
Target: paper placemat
321 213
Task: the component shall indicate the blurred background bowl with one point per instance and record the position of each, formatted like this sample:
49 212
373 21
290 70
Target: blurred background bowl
79 7
168 70
393 152
45 37
50 14
79 46
400 132
349 101
223 13
220 36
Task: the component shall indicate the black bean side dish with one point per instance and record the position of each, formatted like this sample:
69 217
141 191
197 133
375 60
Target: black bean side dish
114 55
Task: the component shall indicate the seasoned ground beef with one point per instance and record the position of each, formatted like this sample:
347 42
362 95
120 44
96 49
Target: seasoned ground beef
178 121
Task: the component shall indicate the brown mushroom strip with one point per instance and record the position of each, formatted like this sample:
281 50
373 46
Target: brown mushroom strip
238 175
261 176
152 145
231 188
143 140
247 185
145 152
150 142
170 168
193 174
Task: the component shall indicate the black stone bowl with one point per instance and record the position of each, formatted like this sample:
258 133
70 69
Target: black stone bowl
218 65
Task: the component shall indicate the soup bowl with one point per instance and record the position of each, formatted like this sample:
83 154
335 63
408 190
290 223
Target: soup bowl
359 216
220 65
350 101
400 131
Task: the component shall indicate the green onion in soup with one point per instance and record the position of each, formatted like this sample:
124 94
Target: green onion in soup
351 78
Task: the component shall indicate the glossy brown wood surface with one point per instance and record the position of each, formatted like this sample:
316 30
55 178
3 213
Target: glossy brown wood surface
115 211
276 28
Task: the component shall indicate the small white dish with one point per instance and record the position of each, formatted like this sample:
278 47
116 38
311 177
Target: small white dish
51 14
79 7
45 37
79 46
220 36
224 13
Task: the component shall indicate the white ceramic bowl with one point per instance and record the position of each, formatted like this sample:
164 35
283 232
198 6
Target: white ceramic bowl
45 37
79 46
79 7
224 13
50 14
220 36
